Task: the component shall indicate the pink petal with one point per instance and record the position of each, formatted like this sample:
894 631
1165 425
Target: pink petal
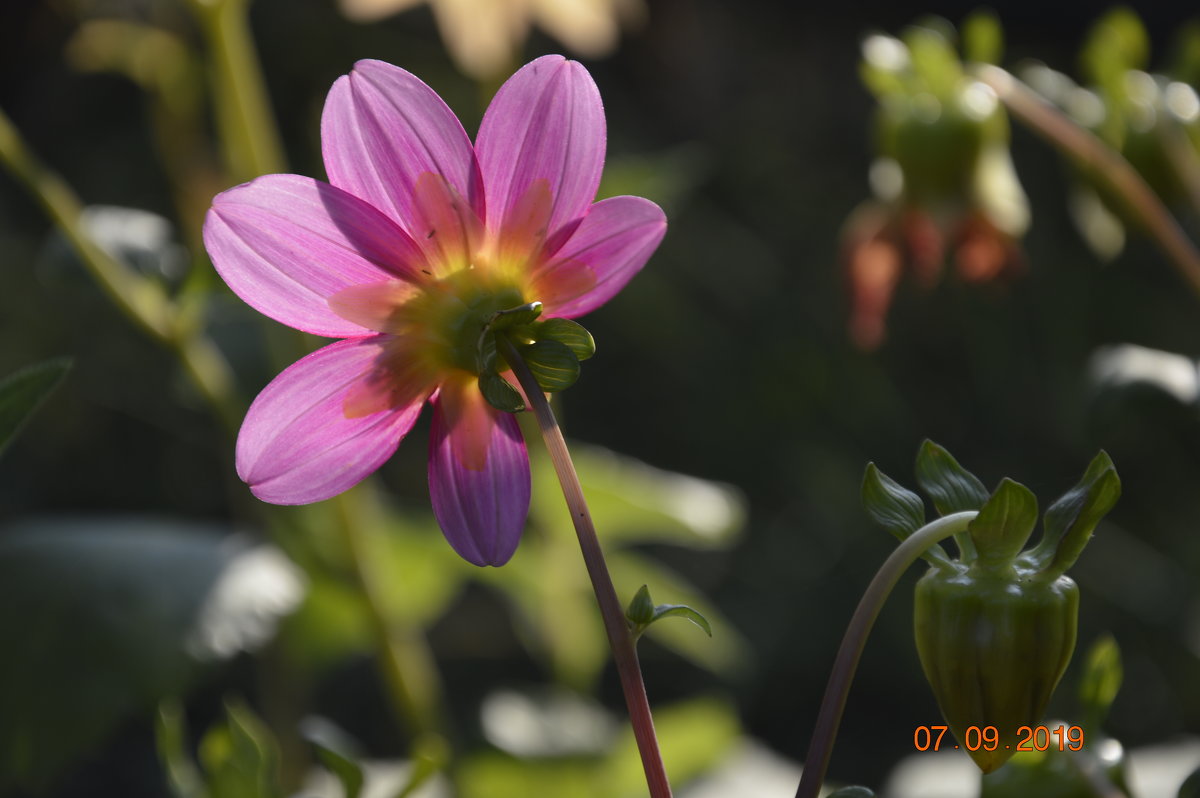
297 444
545 123
286 243
478 475
375 306
611 244
383 128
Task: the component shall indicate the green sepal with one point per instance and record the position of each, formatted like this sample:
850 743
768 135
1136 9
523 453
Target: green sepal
553 364
574 335
1003 525
23 392
511 317
642 612
953 488
897 509
499 394
1101 681
1070 521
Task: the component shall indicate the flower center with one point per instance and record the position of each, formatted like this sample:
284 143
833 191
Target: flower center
452 314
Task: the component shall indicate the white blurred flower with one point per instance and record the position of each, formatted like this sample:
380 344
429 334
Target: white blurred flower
256 589
483 36
1128 364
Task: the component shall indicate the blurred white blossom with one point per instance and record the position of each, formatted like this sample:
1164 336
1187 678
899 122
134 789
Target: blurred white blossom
484 36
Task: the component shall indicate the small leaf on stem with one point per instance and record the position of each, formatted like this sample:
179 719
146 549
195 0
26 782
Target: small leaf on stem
642 612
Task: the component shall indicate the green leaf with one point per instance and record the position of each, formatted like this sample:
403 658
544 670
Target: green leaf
983 38
1101 680
682 611
694 735
634 502
553 364
240 757
1004 524
952 488
496 775
170 737
1070 521
336 752
499 394
643 612
574 335
22 393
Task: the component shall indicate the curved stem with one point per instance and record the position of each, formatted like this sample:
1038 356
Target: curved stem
844 666
1104 163
615 625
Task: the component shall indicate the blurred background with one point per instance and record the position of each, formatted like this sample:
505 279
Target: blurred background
723 426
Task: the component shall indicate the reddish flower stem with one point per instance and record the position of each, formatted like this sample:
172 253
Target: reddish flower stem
829 717
1104 163
619 637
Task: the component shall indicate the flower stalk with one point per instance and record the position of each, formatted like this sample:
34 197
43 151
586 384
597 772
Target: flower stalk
616 626
248 132
1105 163
846 663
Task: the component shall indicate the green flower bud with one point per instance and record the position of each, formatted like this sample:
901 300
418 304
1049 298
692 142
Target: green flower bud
993 648
995 628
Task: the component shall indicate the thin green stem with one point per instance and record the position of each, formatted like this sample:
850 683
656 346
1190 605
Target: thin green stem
248 131
1103 163
141 299
855 639
615 625
404 656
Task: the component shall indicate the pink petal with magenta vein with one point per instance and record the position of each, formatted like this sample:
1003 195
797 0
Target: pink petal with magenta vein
478 475
545 123
609 247
382 128
286 243
297 445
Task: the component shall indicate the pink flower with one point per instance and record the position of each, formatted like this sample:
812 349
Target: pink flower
413 245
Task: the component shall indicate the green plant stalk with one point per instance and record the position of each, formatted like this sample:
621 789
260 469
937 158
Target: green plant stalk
1104 162
248 131
142 300
616 626
855 640
405 659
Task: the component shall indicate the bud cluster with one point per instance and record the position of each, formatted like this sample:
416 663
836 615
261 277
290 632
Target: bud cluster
995 627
